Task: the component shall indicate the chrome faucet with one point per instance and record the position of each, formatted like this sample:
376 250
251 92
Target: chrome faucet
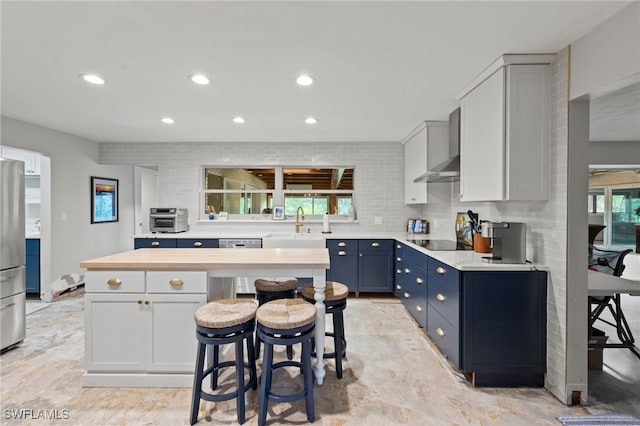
298 223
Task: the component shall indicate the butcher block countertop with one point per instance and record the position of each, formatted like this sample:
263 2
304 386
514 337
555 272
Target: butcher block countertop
216 258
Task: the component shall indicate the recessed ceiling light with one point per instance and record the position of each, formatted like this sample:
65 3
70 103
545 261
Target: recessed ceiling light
167 120
304 80
311 120
238 120
93 79
200 79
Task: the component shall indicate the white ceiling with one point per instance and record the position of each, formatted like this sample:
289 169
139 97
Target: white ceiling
381 67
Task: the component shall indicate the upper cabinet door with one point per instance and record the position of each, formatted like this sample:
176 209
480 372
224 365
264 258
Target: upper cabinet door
482 143
504 147
415 164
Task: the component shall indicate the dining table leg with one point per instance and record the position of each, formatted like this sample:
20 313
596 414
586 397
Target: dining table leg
319 285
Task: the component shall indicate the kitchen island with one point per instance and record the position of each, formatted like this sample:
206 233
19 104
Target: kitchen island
139 327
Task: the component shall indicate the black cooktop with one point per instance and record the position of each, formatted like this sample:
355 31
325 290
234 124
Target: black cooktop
441 245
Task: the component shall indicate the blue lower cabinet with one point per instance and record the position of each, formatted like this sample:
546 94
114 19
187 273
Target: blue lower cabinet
197 243
33 266
154 243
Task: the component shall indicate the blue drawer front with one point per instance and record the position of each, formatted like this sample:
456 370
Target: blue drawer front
347 246
445 335
444 291
376 245
197 243
155 243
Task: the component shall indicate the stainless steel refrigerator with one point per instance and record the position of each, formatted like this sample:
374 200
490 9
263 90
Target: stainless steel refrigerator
12 253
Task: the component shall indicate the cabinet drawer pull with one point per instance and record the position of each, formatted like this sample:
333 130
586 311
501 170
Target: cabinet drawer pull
155 243
342 253
342 244
114 281
176 281
440 332
375 244
440 297
197 244
398 259
406 295
418 308
398 287
440 270
419 280
407 270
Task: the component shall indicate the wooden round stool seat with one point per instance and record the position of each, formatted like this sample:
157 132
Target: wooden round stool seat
286 314
225 313
333 291
276 284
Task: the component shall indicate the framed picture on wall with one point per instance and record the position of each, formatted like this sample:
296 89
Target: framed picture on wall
278 213
104 200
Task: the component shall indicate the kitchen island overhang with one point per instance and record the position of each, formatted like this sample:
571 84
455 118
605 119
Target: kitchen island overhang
103 284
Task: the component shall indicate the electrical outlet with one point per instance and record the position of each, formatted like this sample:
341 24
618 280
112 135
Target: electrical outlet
377 220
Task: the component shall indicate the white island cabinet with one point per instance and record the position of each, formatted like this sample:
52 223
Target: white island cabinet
141 322
504 145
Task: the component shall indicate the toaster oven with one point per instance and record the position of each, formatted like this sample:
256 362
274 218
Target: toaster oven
169 219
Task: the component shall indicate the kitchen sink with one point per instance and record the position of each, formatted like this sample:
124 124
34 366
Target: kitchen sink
293 240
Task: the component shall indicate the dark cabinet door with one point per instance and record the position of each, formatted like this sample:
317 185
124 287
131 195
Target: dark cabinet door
32 266
197 243
375 266
344 263
154 243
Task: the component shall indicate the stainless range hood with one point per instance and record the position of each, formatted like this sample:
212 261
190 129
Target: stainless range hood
448 170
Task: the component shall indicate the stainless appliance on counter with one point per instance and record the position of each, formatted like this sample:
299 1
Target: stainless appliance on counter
508 242
12 254
168 219
243 285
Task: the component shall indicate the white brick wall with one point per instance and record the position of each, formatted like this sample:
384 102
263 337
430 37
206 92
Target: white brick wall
378 182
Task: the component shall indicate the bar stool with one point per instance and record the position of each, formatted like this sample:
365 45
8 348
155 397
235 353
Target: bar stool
218 323
286 322
335 302
268 289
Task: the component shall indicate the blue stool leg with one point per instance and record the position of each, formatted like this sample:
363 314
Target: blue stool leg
265 384
308 379
216 361
251 356
197 383
337 341
240 382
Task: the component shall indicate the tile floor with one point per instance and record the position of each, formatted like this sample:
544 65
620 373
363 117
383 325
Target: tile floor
393 376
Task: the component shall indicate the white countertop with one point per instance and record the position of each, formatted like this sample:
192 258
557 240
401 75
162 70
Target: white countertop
461 260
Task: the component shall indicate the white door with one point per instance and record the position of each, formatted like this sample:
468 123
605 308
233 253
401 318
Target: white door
146 196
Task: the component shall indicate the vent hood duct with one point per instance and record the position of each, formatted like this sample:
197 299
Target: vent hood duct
448 170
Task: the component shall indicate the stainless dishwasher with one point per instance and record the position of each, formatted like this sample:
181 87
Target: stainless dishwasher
243 285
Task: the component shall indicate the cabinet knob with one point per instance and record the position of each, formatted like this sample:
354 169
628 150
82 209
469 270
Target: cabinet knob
376 244
361 254
440 297
440 270
114 281
398 246
197 244
155 244
398 271
342 253
419 280
398 259
342 244
418 308
440 332
407 270
139 302
406 295
176 281
398 287
146 302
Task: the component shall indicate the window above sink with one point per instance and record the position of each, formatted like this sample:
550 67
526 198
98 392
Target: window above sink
253 192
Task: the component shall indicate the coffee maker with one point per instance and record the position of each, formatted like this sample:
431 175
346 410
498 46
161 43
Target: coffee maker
508 241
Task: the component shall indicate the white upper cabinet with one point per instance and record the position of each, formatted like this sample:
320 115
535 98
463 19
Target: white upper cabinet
416 150
31 159
504 146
